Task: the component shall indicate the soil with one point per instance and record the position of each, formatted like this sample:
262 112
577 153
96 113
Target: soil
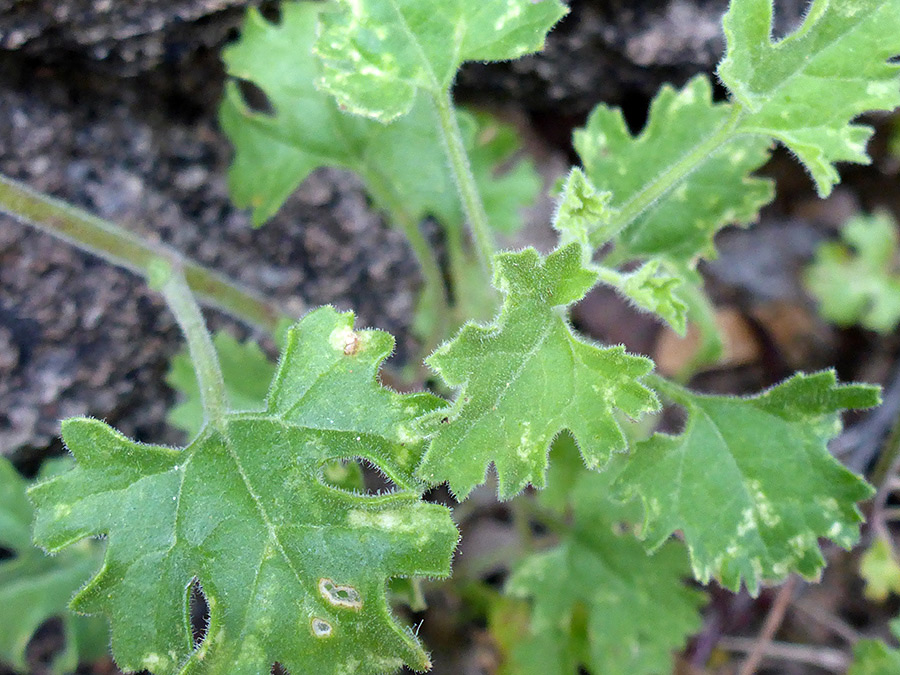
112 106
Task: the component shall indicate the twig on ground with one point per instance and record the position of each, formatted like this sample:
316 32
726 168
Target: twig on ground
835 624
824 657
770 627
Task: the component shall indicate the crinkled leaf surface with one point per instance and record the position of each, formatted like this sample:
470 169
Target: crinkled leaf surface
294 570
806 89
379 53
858 283
247 373
873 657
581 212
598 599
35 587
403 164
719 191
655 290
750 481
525 377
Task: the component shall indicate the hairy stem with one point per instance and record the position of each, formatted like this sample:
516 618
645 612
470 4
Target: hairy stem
125 249
465 181
170 281
657 188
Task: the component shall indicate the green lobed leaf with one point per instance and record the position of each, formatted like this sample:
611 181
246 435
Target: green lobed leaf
35 588
873 657
378 54
858 283
806 89
750 482
294 570
247 374
719 191
599 601
403 164
525 377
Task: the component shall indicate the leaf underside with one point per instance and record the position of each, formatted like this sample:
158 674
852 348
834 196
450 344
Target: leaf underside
294 569
720 191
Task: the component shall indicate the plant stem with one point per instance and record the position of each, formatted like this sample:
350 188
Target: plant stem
125 249
170 281
465 180
674 174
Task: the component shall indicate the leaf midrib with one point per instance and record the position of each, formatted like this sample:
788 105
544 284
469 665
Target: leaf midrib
772 48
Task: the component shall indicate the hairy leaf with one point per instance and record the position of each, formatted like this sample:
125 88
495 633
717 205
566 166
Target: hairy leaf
403 164
655 290
525 377
859 284
379 53
294 570
719 191
750 481
247 373
599 600
806 89
581 212
35 588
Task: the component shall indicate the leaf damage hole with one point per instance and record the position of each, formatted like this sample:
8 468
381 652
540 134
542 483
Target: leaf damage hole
255 98
356 475
320 627
339 596
198 609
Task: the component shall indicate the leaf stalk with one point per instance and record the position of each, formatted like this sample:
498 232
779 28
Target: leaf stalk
465 180
120 247
656 189
170 281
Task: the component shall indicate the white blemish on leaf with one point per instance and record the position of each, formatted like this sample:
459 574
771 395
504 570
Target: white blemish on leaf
155 662
320 627
340 596
345 339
